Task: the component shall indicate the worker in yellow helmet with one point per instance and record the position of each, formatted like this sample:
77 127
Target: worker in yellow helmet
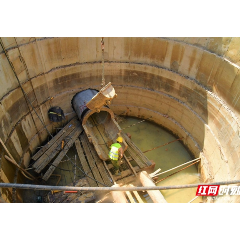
116 150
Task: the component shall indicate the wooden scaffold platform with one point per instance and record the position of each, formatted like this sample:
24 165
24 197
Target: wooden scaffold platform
98 173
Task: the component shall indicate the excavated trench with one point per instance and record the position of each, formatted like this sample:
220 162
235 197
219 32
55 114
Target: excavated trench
190 86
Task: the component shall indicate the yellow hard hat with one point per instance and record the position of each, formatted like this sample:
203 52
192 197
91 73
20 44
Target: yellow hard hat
119 139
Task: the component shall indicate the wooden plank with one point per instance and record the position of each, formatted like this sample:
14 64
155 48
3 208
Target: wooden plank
91 162
136 150
127 180
53 150
135 157
62 153
13 161
21 169
129 195
53 140
9 154
125 173
130 165
111 166
84 163
135 154
103 172
106 167
136 195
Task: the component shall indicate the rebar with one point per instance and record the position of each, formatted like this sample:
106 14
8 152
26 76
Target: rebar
162 145
136 123
178 171
177 166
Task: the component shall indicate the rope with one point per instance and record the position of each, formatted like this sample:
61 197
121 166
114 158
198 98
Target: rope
136 123
103 79
177 171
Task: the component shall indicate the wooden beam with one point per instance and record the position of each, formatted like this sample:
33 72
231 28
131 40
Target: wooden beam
21 169
53 150
46 158
136 158
84 163
136 195
55 139
91 162
130 165
126 180
62 154
9 154
136 150
107 179
125 173
106 167
130 197
13 161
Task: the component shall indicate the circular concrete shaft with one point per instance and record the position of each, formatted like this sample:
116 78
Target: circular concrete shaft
191 86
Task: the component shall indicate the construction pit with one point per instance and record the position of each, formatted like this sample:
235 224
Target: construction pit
188 86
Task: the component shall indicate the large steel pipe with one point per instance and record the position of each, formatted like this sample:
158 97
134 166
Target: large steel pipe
79 102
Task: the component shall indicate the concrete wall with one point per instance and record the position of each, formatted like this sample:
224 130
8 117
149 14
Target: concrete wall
189 85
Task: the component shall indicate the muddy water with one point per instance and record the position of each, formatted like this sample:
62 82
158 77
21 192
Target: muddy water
147 135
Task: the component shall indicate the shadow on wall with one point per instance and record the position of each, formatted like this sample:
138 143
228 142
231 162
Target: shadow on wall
173 79
217 72
223 79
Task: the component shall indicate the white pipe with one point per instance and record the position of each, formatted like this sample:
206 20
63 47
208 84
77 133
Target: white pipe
177 167
193 199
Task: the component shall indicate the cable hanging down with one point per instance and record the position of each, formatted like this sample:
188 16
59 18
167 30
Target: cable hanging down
102 47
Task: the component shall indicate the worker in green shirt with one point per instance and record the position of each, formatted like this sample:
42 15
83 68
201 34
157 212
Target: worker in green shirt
116 150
